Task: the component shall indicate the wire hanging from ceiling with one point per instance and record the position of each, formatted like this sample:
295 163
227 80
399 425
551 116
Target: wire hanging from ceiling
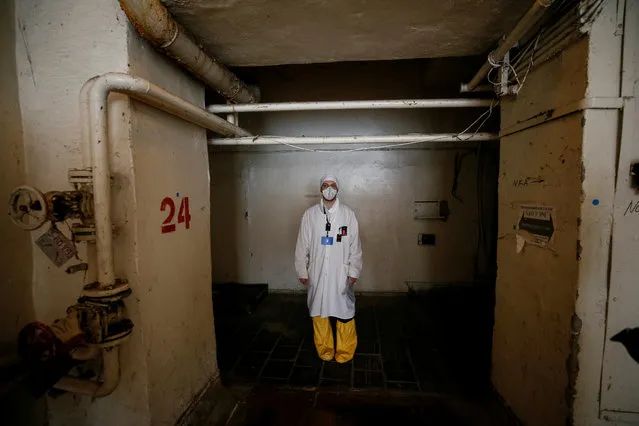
566 23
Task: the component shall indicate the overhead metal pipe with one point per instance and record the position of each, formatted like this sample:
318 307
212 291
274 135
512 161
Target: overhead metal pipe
560 35
331 140
523 26
351 105
154 22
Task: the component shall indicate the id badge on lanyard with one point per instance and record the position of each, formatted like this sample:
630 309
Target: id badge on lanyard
327 241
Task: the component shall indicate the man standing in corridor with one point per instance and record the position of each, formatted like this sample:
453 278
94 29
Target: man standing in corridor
328 261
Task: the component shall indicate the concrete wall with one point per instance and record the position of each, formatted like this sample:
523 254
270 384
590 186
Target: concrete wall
606 384
15 257
61 45
16 303
259 200
174 270
536 289
550 317
170 356
259 197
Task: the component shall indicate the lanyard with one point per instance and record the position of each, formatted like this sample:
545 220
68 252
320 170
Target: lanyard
328 223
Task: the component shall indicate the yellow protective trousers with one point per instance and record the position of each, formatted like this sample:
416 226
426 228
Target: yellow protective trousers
324 342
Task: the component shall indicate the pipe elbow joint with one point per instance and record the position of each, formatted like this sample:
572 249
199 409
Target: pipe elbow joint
94 389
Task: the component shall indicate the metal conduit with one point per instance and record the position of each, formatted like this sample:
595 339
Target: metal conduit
558 36
331 140
523 26
154 22
351 105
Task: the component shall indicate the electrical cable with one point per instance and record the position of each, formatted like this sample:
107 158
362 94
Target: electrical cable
530 64
485 115
489 112
480 208
459 158
511 65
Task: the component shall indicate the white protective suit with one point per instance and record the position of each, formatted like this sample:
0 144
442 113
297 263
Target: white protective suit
327 267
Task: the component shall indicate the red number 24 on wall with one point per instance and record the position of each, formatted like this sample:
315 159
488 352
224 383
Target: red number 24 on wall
184 215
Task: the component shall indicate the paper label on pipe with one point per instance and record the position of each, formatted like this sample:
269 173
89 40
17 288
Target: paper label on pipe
56 246
536 225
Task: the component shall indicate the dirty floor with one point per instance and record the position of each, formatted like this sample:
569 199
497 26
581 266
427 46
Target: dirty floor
421 359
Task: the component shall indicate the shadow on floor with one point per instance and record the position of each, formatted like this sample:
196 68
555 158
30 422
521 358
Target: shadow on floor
421 359
266 406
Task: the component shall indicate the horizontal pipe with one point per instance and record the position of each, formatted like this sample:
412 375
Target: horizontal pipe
150 94
523 26
480 88
95 389
331 140
348 105
154 22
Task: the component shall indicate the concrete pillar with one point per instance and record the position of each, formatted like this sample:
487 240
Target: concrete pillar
170 357
550 314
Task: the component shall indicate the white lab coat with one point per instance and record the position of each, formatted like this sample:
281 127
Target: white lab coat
327 267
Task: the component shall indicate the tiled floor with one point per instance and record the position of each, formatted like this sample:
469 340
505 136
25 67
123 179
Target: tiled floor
406 344
421 360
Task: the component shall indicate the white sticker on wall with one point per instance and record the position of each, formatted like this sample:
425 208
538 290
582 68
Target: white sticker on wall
536 225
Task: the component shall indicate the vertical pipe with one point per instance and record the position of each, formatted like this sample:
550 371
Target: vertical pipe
85 125
87 161
101 183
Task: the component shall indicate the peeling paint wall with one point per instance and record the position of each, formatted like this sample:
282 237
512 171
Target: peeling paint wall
258 198
536 289
170 356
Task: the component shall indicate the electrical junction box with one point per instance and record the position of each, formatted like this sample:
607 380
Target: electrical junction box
426 239
432 209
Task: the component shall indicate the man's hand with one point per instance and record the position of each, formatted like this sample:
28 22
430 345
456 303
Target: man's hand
352 281
304 281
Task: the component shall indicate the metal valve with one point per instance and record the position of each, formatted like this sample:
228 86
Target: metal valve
30 209
97 322
90 322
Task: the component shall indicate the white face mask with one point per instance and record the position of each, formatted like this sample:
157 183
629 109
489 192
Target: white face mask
329 193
